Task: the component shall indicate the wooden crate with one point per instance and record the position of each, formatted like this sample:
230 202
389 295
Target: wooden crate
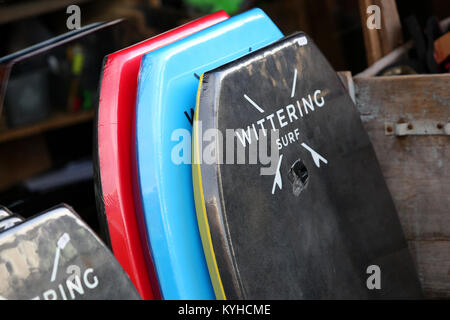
416 167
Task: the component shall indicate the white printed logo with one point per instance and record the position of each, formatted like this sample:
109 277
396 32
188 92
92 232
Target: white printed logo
316 157
60 245
74 283
277 180
289 114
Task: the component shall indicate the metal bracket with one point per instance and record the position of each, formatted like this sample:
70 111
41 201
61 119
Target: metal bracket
417 128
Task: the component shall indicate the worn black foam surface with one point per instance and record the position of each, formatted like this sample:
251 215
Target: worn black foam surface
55 255
312 230
9 222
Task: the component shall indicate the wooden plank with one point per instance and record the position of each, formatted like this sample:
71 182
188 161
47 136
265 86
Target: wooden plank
316 18
379 42
58 120
290 15
416 168
433 266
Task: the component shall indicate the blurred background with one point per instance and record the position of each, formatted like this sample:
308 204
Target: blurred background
49 100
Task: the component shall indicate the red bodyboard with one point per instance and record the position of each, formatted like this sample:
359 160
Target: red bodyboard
116 194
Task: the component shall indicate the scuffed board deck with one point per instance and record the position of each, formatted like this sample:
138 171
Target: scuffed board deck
416 168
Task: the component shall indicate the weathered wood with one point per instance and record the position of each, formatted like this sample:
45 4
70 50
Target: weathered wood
316 18
416 168
379 42
433 266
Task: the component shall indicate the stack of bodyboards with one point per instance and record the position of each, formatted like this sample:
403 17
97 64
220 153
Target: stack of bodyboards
231 163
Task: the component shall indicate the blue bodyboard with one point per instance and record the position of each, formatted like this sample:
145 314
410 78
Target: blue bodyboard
168 83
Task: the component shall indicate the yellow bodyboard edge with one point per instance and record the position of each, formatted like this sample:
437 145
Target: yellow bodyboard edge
202 217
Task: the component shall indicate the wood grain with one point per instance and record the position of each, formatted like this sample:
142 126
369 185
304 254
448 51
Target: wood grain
433 266
416 168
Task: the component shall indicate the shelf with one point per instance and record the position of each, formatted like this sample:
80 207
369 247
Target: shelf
58 120
27 9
